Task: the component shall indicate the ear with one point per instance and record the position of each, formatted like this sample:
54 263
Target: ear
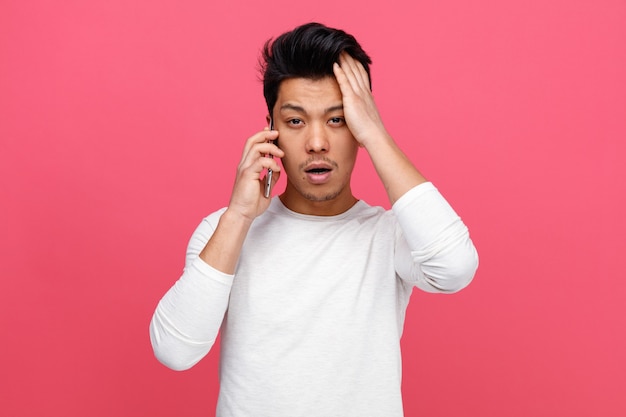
268 119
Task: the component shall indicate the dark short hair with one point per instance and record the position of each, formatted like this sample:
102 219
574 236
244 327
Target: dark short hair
307 51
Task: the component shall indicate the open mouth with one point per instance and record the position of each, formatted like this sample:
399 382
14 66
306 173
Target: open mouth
318 173
317 170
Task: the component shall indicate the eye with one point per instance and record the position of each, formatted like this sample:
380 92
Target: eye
294 122
337 121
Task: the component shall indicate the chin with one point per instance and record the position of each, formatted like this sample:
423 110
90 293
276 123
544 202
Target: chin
321 193
319 197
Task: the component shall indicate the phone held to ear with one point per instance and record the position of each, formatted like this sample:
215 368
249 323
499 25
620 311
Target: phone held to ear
268 177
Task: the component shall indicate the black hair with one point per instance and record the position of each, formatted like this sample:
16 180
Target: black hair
307 51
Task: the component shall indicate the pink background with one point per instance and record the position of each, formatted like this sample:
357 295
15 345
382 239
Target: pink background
121 123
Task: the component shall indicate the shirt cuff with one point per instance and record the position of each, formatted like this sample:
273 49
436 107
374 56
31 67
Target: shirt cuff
201 268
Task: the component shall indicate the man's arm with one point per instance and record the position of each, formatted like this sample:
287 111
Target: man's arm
246 203
187 319
433 247
396 171
435 251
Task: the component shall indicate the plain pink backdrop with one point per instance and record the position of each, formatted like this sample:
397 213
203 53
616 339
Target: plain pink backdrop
121 124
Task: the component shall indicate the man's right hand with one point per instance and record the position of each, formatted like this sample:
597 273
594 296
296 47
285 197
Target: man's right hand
246 202
247 199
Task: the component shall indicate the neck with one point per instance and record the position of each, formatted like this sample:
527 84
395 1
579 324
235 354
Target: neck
315 205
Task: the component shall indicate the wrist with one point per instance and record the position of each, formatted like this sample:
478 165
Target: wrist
376 141
233 217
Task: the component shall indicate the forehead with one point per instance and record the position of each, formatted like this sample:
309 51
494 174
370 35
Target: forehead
308 93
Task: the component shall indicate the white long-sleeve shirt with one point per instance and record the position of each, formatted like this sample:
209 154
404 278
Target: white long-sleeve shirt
312 318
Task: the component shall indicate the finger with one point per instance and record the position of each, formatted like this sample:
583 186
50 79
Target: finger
350 77
363 76
275 176
260 137
261 157
266 163
264 151
345 85
355 72
254 176
256 139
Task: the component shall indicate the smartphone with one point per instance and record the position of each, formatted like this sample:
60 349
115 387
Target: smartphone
268 177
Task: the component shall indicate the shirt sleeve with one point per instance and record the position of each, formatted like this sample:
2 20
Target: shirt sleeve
187 320
433 248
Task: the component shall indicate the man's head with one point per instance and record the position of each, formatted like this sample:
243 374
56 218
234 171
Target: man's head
308 51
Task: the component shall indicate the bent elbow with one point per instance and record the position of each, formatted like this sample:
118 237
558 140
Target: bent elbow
462 274
174 353
453 275
461 281
173 361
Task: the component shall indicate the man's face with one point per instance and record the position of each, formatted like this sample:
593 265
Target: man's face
320 150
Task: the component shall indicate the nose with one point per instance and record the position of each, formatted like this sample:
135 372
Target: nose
317 141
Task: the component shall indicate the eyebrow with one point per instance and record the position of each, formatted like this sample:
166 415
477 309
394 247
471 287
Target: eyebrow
300 109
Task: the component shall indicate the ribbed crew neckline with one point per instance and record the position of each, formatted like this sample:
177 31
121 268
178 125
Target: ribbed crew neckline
277 206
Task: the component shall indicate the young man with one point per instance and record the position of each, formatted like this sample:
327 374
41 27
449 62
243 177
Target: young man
309 289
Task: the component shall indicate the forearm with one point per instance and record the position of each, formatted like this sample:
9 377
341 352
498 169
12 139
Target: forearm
396 171
189 316
224 247
187 320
